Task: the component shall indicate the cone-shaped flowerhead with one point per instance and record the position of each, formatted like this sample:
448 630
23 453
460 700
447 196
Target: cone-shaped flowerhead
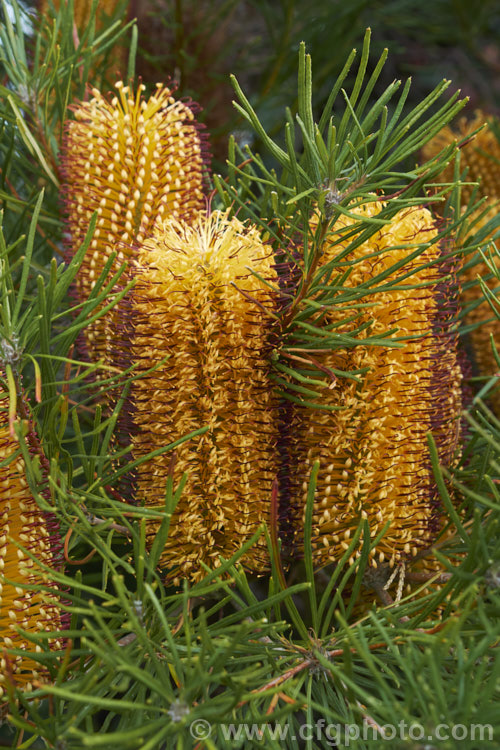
373 451
481 157
134 161
197 301
22 522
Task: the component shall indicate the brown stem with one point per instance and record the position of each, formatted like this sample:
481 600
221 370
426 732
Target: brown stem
332 655
385 598
274 523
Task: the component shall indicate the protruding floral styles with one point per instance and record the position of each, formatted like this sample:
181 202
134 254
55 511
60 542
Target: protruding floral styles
22 522
481 158
373 451
197 302
133 161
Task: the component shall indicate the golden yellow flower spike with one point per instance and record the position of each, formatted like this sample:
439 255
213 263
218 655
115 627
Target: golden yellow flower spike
481 157
134 161
197 301
373 452
22 521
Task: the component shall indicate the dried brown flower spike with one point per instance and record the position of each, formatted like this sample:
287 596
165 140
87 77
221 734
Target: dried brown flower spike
197 301
481 157
22 521
373 452
134 161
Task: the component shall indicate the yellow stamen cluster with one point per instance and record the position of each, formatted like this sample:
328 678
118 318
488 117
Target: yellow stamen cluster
373 453
481 157
133 161
22 522
197 301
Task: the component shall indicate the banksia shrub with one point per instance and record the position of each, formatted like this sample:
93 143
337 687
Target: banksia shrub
481 157
22 522
134 161
373 451
197 302
328 289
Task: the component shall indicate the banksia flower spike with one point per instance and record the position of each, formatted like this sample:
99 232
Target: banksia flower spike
22 522
481 157
197 301
373 452
133 161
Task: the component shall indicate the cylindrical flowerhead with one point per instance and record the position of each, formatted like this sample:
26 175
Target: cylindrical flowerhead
133 161
22 522
197 301
373 451
481 157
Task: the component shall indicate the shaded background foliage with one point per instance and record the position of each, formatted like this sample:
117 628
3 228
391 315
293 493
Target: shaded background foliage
201 43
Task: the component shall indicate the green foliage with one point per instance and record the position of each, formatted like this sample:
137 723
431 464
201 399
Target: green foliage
144 663
258 40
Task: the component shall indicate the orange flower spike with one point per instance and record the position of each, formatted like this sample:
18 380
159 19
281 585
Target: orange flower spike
22 521
133 161
197 301
374 459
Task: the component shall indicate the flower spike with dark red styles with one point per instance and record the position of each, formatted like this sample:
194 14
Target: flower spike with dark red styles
481 157
197 301
373 451
22 522
134 161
